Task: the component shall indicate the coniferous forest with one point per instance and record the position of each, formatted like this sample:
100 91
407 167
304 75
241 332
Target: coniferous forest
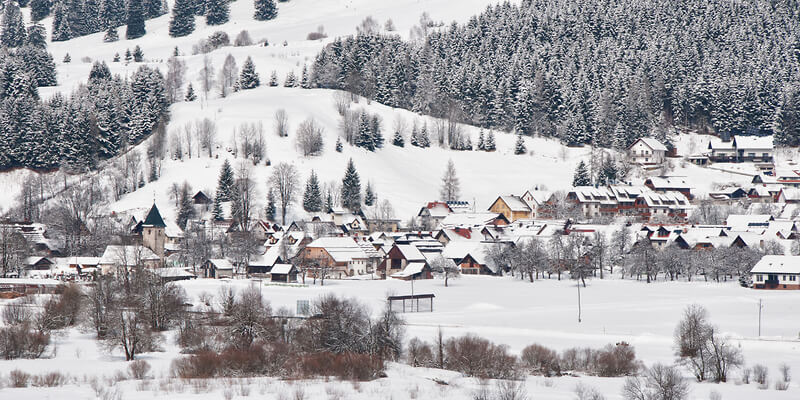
586 71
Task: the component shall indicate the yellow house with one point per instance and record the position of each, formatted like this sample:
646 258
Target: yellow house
512 207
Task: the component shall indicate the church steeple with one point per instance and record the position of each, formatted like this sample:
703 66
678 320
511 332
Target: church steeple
154 218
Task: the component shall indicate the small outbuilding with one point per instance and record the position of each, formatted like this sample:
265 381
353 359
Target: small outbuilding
285 273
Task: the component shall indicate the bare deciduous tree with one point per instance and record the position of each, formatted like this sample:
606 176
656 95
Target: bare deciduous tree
285 182
309 138
206 131
281 123
175 79
207 76
227 76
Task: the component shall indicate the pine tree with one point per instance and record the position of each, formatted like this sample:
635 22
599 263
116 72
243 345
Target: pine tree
339 144
67 58
369 195
61 28
291 80
270 211
481 142
113 13
13 29
312 198
37 36
217 212
490 144
225 181
248 79
217 12
519 147
398 140
182 22
128 55
329 202
351 188
111 36
304 79
581 176
414 136
265 10
190 95
364 135
422 139
138 54
273 79
116 57
135 28
375 131
451 188
40 9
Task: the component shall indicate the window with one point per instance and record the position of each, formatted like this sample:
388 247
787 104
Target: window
759 277
793 278
783 277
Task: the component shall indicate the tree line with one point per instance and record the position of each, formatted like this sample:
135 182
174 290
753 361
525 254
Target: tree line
589 73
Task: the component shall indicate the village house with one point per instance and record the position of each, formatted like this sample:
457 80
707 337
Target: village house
776 272
432 214
217 268
474 220
129 256
512 207
663 184
593 201
414 271
284 273
471 258
758 149
662 206
647 152
35 235
399 257
339 256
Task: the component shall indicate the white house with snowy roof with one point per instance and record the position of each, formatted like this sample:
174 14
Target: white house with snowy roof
647 151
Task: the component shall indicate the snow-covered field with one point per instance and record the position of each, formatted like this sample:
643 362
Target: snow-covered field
505 310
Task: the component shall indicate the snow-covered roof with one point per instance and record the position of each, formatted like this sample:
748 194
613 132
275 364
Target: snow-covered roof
777 264
669 182
410 252
281 269
665 200
173 272
754 142
469 219
651 143
341 249
221 263
743 221
536 197
127 255
411 269
515 203
435 209
791 194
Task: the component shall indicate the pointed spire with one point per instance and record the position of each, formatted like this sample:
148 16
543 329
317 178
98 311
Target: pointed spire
154 218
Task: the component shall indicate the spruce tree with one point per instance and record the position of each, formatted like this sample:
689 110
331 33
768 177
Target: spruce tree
519 146
490 144
414 135
138 54
111 36
128 56
398 140
270 211
13 29
135 28
351 188
364 135
375 131
37 36
423 140
451 187
273 79
116 57
217 212
291 80
40 9
312 198
217 12
182 22
67 59
265 10
328 202
304 78
190 95
581 176
61 28
248 79
338 144
369 195
481 142
225 181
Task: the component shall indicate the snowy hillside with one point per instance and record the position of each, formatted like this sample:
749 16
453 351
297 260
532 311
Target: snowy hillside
407 177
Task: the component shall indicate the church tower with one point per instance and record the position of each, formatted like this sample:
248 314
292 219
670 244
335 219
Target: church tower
153 232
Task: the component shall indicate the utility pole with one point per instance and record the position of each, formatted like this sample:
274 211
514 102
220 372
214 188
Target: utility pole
760 307
578 283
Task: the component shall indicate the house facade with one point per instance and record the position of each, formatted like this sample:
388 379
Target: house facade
777 272
647 151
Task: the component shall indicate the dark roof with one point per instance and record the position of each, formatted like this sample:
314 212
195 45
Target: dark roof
154 218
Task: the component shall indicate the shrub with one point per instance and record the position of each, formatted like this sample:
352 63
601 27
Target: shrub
205 364
746 376
18 379
51 379
760 374
348 366
584 392
659 382
17 312
319 34
216 40
616 360
540 360
138 369
20 341
243 39
475 356
419 354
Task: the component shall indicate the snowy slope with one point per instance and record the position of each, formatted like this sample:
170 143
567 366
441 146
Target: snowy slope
407 177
